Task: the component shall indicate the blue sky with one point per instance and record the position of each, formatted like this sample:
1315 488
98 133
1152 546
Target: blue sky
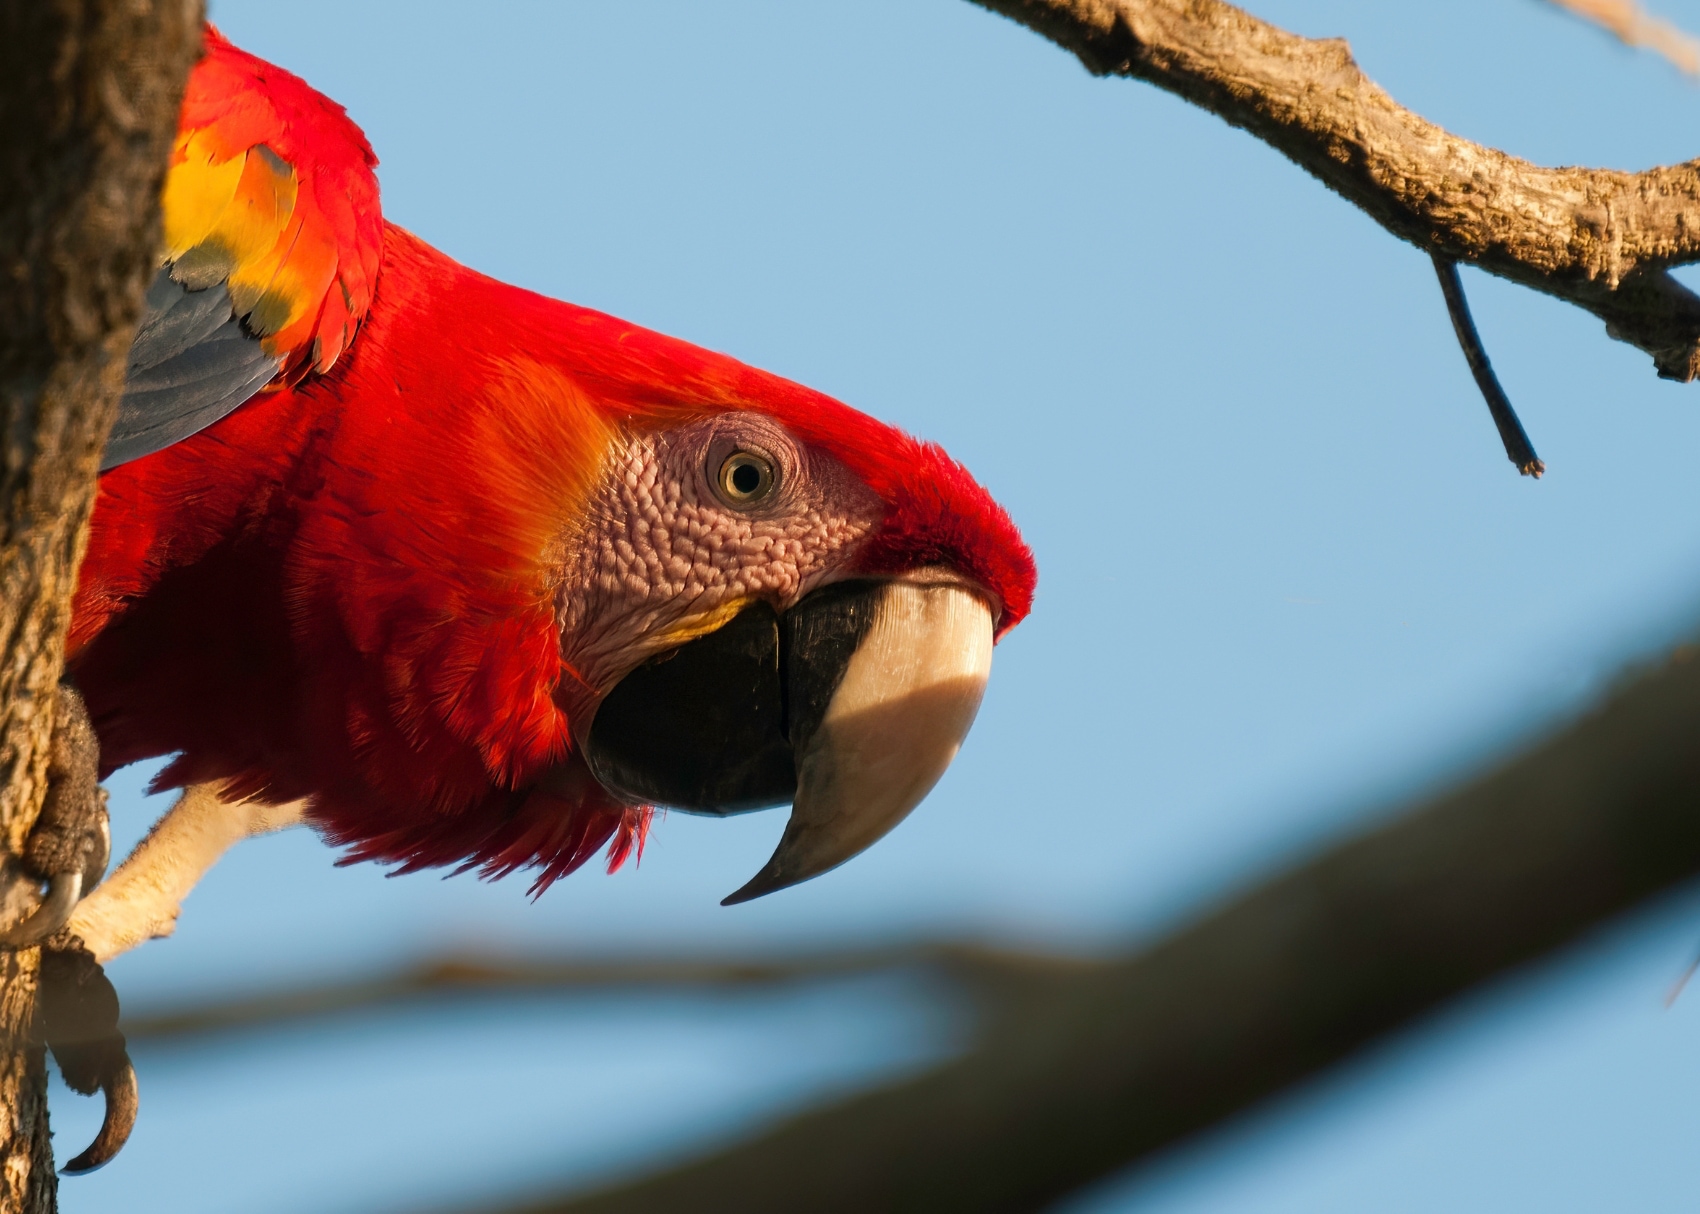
1288 578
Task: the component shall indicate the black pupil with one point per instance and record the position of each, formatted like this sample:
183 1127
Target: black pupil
746 478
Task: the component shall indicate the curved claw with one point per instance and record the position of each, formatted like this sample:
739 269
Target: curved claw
101 854
63 893
121 1105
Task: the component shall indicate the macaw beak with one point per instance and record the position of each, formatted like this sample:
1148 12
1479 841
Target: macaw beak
850 706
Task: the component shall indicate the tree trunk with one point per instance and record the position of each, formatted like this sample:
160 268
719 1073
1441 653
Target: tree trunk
89 95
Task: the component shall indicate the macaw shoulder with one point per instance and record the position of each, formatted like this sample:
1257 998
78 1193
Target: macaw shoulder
241 100
270 190
273 239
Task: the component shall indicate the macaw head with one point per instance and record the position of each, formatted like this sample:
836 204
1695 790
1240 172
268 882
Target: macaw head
783 602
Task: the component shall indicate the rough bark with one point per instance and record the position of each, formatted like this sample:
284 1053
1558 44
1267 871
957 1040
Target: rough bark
1598 238
1082 1070
89 93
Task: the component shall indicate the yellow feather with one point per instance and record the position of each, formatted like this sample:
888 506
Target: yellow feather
197 190
265 199
240 243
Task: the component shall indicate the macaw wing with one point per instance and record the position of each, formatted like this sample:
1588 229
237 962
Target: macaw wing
273 238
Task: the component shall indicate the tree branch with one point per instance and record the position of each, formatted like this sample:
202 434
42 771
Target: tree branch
89 93
987 972
1081 1070
1597 238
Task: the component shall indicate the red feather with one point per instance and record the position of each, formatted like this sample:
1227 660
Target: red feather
345 589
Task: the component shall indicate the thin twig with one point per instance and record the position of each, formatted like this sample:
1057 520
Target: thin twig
1518 449
1681 983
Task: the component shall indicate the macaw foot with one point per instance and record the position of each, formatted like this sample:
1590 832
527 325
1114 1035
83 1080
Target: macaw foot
71 842
79 926
76 1011
77 1007
77 1018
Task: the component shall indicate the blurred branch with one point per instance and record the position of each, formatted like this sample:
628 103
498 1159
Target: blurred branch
990 973
1635 26
89 93
1597 238
1082 1070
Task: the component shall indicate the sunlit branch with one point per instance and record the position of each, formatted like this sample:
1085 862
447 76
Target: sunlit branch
1598 238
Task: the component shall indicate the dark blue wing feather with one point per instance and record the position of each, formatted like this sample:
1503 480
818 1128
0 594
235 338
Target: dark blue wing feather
192 362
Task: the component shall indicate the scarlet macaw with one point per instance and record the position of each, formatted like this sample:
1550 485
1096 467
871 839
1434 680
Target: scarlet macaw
465 575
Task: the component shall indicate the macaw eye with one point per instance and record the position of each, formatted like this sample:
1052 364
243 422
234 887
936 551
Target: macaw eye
745 478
